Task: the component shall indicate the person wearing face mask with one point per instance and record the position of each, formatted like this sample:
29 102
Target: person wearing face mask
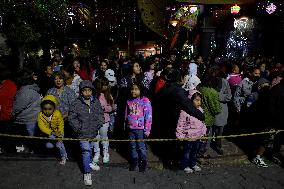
243 96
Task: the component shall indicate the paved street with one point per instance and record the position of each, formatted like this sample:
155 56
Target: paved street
46 173
232 170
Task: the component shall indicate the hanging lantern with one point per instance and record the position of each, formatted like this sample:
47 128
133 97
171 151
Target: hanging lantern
174 23
193 9
271 8
235 9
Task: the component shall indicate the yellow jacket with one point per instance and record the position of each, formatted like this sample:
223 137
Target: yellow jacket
56 124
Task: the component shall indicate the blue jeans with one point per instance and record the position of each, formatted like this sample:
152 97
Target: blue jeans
59 145
31 129
190 149
138 149
86 148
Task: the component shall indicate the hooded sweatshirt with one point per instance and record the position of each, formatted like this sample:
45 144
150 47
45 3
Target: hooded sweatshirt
54 123
191 82
26 105
188 126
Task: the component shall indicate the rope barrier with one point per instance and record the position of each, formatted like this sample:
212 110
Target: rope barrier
140 140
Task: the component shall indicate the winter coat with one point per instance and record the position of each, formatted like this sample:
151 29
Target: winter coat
210 104
225 96
243 90
138 114
107 108
8 91
65 99
56 124
188 126
167 104
26 105
86 119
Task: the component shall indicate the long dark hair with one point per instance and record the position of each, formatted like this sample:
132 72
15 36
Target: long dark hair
98 84
138 78
212 78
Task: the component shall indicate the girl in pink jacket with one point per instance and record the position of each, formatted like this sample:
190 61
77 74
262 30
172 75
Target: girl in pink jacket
106 100
191 128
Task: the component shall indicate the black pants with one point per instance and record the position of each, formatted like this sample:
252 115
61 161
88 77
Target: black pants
217 131
278 141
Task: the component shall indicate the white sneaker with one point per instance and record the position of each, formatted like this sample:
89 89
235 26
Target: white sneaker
63 161
188 170
94 166
106 158
96 158
259 162
196 168
20 148
88 179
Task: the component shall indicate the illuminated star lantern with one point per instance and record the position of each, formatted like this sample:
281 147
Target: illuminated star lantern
271 8
193 9
235 9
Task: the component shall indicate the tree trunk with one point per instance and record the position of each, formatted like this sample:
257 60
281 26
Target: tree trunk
21 57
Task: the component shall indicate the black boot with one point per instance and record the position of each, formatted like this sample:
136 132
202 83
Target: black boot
142 166
133 164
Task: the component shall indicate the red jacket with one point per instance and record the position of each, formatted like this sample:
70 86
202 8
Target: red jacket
83 73
8 91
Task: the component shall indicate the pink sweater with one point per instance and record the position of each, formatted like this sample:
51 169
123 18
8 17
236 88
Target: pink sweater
107 108
190 127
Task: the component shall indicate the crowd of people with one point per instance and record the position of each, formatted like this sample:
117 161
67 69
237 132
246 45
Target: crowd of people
134 98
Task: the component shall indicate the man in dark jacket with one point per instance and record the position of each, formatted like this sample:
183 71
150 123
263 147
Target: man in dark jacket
167 104
276 112
86 118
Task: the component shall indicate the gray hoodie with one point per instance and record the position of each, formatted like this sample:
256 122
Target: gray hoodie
26 105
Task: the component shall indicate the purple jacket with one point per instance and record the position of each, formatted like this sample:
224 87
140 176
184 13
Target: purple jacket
138 114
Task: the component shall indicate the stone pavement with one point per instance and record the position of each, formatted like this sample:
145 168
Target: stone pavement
232 170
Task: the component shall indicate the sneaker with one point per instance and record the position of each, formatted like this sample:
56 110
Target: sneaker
20 148
196 168
106 158
63 161
259 162
188 170
88 179
96 158
94 166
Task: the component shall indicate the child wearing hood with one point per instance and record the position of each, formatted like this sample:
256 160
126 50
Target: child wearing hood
193 129
50 122
86 117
